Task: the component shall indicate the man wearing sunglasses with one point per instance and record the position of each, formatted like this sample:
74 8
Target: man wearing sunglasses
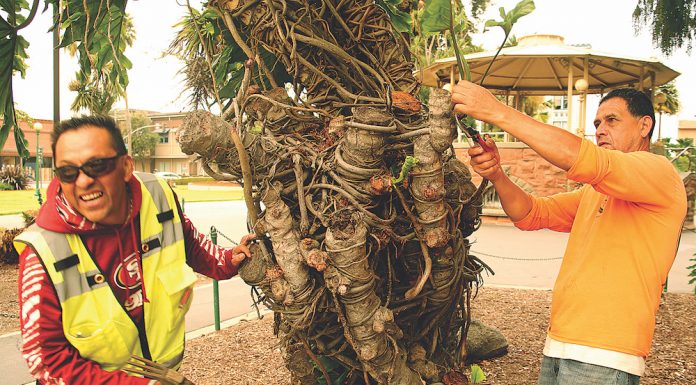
107 270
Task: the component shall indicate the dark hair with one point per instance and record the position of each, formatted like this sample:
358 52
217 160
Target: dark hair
101 121
638 102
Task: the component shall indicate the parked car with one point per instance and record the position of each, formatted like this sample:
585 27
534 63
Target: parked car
168 175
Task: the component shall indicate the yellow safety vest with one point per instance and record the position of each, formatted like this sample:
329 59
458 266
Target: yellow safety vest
94 322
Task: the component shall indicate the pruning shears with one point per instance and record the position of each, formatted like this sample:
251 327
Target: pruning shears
475 136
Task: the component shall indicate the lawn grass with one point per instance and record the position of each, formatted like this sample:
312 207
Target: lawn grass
15 202
207 195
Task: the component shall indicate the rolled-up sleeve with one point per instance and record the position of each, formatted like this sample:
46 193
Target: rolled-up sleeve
555 212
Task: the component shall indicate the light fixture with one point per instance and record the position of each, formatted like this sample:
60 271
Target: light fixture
581 85
38 126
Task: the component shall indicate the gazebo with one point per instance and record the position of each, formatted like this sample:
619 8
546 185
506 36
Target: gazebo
545 65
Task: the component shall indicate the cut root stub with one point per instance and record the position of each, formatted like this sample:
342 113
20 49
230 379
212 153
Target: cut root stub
436 237
344 223
405 102
380 184
253 269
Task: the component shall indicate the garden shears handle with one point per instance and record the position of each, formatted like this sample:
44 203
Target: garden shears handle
474 135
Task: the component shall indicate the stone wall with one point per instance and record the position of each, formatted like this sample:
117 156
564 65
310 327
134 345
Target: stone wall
522 162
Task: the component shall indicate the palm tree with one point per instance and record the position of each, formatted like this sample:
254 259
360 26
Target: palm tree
666 101
96 92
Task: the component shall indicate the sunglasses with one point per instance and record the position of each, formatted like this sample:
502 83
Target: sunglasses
92 168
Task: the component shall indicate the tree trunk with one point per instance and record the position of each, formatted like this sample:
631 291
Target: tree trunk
367 270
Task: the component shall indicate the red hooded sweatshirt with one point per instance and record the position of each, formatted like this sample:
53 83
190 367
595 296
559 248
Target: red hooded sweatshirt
51 358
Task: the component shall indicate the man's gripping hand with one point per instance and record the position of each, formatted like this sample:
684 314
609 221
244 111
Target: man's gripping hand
241 251
486 163
477 102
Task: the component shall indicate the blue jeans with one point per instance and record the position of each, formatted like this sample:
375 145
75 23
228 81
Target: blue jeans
558 371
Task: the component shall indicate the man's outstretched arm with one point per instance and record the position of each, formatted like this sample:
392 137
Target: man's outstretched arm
560 147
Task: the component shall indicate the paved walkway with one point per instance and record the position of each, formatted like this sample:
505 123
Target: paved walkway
533 258
519 259
11 221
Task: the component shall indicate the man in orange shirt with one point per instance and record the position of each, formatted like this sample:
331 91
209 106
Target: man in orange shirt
624 226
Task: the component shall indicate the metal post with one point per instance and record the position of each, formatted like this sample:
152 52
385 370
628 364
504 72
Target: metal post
37 173
56 66
39 159
569 96
216 289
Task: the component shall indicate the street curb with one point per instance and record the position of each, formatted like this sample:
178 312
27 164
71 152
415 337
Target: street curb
10 334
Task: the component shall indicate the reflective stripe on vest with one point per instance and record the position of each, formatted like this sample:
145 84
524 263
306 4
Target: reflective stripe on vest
93 320
169 234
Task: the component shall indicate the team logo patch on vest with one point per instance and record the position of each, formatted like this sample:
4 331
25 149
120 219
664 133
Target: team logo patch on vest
128 277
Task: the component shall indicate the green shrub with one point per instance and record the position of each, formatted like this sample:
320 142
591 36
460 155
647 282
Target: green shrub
15 176
29 216
5 187
8 254
692 273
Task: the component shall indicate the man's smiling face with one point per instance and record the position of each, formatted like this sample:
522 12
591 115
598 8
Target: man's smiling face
102 199
618 129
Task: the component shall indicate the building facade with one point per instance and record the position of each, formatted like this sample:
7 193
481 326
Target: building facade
167 155
10 156
687 129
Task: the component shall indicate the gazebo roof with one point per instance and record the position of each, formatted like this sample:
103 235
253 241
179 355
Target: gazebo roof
540 65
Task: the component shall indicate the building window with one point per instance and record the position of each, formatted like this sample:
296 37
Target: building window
164 138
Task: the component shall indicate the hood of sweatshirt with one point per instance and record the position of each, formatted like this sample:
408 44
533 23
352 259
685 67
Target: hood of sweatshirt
57 214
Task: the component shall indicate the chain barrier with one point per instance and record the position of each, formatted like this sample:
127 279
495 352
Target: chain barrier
228 238
224 236
472 251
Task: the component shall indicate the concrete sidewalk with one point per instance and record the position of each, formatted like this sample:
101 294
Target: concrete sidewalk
11 221
533 258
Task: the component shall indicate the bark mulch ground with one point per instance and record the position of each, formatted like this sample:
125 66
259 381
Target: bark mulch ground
248 353
9 305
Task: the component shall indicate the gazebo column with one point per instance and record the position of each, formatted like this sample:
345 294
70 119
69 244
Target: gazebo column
582 87
518 107
571 82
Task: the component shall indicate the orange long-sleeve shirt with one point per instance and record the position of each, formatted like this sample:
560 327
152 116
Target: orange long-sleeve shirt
624 227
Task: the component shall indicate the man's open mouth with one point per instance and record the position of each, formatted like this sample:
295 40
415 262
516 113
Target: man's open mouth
91 197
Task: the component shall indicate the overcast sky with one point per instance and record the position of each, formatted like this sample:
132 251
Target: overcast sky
155 85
